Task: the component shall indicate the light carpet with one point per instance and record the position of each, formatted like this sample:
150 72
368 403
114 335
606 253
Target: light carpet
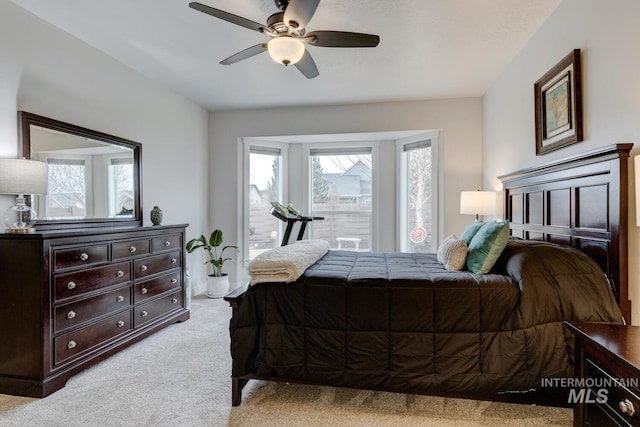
181 377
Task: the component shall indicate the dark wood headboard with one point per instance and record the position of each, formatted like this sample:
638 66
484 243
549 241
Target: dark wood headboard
580 201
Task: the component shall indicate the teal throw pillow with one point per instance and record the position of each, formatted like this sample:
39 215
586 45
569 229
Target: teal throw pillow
487 245
471 231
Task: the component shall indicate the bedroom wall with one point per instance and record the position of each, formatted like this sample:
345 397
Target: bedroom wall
45 71
608 35
459 119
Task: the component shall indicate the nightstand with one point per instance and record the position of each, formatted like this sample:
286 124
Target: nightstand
607 361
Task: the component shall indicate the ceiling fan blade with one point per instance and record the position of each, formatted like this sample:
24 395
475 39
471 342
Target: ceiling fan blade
229 17
245 54
307 66
341 39
299 12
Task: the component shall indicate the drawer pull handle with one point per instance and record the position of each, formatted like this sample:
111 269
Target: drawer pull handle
173 260
120 323
132 249
120 273
144 291
174 300
174 281
120 298
626 406
144 314
84 256
71 314
71 344
143 267
167 243
71 285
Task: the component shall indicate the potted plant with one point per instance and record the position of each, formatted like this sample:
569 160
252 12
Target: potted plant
218 282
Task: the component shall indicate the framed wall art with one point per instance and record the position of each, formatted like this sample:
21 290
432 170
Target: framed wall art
558 105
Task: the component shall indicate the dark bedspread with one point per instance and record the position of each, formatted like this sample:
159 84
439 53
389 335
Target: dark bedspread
402 322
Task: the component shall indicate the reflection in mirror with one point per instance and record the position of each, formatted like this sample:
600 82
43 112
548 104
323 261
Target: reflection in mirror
86 177
93 177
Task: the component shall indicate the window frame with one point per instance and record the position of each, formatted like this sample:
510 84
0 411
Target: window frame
246 202
88 180
343 148
402 239
113 160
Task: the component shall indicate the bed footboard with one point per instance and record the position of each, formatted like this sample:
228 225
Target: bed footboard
234 298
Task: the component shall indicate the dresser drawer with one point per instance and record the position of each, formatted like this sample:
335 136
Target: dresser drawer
70 315
596 416
80 256
166 243
149 311
144 290
156 264
76 343
128 249
616 394
72 284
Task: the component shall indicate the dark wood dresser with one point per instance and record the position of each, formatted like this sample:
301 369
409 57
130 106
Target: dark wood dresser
609 357
74 297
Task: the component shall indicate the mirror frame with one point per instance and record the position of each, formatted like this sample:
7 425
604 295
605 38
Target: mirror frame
25 120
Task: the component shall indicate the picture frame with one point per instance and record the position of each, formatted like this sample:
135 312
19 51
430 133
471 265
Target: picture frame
558 105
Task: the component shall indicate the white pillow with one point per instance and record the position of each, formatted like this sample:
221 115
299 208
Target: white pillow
452 253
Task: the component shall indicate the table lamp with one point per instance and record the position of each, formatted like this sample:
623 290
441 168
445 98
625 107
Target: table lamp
20 177
478 203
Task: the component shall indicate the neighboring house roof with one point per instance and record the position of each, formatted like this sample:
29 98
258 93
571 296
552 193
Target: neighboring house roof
255 193
360 169
355 181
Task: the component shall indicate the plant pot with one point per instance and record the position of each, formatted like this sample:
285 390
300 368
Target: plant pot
217 287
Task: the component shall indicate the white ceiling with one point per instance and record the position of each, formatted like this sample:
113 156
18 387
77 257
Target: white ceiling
428 48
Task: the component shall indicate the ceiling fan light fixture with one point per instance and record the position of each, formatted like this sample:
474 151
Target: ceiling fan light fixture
286 50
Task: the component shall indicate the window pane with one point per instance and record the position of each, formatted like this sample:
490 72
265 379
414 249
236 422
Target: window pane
122 174
67 192
344 230
264 187
342 194
419 200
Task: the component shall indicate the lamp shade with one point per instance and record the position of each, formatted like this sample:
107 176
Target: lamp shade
285 50
478 203
20 176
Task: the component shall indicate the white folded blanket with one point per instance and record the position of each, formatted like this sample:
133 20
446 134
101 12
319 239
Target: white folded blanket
286 263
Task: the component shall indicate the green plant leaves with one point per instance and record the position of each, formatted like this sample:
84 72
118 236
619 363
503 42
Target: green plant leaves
211 246
216 238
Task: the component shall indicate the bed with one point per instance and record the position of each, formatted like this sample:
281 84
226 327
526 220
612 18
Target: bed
403 322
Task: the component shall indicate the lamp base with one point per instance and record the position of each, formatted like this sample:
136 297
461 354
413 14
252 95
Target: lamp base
20 230
20 218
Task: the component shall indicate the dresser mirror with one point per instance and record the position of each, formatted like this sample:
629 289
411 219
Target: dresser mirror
94 178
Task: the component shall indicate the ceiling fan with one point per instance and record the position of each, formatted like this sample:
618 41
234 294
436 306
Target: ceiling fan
288 36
